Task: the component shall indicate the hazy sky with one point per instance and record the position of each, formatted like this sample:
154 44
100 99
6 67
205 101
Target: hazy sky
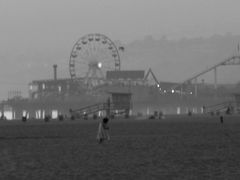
32 30
122 19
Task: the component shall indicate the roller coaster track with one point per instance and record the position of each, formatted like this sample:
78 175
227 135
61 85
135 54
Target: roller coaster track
95 108
90 109
234 60
222 107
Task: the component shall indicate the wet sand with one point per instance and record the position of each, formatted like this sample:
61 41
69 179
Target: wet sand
183 147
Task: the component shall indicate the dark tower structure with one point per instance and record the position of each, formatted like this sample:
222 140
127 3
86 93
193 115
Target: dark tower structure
55 71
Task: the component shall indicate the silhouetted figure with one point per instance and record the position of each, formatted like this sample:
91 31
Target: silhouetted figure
204 109
189 113
221 119
85 116
60 117
47 118
228 111
24 118
3 117
160 115
103 129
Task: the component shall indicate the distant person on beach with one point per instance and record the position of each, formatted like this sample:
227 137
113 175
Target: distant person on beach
228 111
103 129
221 119
204 109
3 117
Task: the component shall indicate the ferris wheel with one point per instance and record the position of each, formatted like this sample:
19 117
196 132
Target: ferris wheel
91 57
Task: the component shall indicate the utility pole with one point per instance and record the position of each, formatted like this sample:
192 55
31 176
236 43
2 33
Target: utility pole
215 78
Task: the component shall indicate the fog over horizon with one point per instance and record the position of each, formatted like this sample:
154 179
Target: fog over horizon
175 38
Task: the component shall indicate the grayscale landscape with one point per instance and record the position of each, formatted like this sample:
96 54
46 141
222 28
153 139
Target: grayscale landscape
119 89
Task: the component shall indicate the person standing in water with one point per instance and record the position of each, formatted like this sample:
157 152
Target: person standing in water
103 130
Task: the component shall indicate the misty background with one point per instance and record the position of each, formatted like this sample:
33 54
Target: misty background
176 38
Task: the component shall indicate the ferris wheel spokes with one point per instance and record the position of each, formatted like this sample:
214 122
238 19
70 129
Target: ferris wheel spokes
92 56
